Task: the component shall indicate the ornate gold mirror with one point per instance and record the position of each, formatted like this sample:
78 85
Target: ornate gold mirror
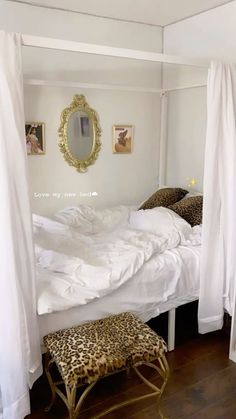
79 134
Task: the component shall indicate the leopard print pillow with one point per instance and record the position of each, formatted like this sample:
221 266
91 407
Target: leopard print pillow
190 209
163 198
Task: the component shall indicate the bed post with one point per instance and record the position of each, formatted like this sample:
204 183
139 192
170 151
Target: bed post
171 330
163 139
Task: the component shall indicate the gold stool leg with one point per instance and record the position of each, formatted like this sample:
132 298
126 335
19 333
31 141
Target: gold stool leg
48 362
82 398
163 370
70 398
70 401
166 372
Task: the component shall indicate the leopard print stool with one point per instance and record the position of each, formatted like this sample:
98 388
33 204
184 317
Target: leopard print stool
89 352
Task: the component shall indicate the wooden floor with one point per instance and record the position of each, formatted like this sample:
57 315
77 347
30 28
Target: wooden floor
202 385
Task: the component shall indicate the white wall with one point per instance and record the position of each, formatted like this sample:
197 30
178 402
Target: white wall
209 35
186 138
116 178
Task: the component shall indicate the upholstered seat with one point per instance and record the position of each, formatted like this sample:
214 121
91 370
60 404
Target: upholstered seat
89 352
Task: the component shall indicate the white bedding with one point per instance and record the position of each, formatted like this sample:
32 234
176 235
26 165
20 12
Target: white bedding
166 281
75 268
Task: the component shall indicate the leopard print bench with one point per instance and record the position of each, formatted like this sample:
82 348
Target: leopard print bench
89 352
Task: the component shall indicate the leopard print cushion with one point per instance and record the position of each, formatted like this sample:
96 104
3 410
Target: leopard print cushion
190 209
93 350
163 198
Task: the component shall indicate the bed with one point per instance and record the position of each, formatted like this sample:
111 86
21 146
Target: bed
106 262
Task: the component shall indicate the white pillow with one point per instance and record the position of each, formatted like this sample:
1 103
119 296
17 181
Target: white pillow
159 221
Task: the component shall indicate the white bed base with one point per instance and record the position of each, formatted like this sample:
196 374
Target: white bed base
171 324
171 331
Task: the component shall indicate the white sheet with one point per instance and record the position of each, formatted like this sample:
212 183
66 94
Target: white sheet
89 220
164 282
75 268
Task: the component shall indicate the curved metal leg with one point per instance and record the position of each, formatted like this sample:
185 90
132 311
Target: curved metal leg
163 371
82 398
48 362
157 392
70 397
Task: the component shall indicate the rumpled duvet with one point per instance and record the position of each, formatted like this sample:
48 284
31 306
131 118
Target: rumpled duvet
79 259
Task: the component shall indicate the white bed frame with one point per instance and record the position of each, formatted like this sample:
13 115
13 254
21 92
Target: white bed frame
78 47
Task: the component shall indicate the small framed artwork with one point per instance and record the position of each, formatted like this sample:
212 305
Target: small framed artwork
34 137
122 141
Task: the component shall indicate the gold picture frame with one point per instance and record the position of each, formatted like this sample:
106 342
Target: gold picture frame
34 138
122 139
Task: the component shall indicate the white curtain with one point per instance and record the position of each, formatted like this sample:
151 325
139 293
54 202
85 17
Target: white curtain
218 261
20 358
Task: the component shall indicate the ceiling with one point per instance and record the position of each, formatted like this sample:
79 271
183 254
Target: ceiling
154 12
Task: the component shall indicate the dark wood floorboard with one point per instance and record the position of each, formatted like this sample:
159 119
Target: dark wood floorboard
202 385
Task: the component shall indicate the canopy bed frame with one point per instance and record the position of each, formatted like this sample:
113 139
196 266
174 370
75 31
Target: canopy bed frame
78 47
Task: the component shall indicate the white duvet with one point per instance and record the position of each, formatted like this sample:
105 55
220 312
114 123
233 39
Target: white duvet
75 267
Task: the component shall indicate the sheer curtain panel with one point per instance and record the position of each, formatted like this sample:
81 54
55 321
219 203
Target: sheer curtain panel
20 357
218 260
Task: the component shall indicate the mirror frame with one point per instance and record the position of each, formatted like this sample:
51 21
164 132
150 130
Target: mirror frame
79 103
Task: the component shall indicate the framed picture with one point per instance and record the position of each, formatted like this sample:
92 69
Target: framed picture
34 137
122 141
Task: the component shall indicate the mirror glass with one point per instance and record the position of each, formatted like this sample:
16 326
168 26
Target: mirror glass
79 134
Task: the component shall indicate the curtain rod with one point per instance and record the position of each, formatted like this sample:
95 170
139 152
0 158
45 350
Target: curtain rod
193 86
61 83
65 45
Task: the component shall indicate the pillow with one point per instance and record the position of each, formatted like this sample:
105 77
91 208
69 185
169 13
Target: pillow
160 221
190 209
163 198
193 193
